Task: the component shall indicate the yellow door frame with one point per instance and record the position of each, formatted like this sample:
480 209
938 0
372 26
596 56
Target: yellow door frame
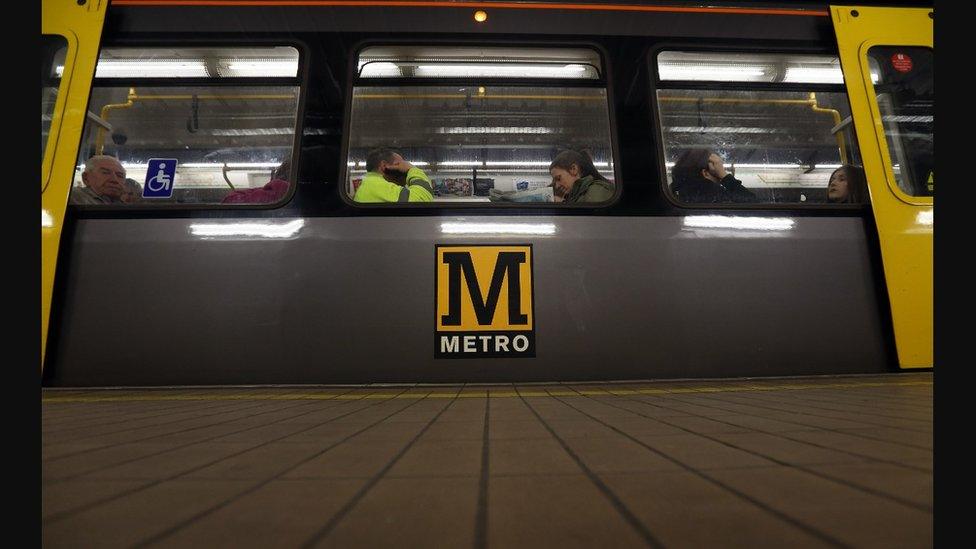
81 27
904 222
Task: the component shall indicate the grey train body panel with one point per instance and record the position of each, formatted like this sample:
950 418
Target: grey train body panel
352 300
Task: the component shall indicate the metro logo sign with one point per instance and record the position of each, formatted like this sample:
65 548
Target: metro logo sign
484 301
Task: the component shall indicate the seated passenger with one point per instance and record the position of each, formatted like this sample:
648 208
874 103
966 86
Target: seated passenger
390 178
132 192
272 191
575 179
104 179
847 185
699 176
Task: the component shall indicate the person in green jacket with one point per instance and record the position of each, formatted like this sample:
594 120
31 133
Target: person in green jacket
390 178
576 179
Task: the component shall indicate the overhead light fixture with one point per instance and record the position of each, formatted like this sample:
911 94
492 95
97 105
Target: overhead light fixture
477 130
519 164
267 68
814 75
509 70
139 68
723 73
480 16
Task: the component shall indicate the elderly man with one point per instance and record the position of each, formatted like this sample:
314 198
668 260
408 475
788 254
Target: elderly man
104 179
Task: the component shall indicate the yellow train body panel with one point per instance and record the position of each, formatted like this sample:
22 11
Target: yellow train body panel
905 223
81 27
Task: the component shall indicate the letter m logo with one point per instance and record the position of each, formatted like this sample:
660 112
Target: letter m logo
484 288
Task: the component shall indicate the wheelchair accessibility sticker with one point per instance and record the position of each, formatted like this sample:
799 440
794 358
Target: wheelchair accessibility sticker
160 177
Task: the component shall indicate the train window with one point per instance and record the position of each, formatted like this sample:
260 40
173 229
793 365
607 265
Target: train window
751 128
906 98
169 126
480 125
53 50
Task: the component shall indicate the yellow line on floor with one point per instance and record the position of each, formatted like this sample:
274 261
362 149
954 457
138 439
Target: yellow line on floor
483 393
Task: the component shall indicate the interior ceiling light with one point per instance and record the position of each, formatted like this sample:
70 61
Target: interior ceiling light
267 68
480 16
138 68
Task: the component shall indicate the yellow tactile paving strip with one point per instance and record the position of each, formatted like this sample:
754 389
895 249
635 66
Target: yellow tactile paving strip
496 391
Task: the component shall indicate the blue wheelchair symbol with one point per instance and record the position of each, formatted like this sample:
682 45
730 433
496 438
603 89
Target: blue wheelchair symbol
160 177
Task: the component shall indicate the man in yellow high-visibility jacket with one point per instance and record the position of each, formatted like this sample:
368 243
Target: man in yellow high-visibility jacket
390 178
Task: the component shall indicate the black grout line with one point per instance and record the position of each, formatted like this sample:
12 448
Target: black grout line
481 518
846 415
229 409
804 468
835 430
113 415
165 434
852 409
776 513
615 501
185 444
321 533
194 414
175 528
67 513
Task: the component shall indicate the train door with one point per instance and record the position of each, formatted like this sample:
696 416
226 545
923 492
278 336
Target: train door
887 58
70 32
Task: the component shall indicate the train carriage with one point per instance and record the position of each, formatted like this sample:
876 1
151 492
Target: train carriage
244 130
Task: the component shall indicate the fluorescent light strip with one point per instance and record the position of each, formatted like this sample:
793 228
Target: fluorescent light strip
894 118
719 129
513 70
498 228
738 222
119 68
814 75
772 166
265 230
263 68
710 72
498 130
255 131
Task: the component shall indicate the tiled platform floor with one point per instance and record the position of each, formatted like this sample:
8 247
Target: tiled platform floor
799 462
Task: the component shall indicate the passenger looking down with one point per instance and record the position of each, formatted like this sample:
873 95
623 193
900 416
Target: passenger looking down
272 191
390 178
847 185
104 182
576 179
132 192
699 175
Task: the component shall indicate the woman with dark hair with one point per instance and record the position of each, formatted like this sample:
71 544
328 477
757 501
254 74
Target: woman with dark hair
847 185
699 176
576 179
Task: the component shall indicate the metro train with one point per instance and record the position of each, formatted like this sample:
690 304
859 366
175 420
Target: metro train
200 162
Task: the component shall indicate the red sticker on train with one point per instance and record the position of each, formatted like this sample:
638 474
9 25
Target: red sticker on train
901 62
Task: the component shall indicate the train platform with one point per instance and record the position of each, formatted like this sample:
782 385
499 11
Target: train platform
841 461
